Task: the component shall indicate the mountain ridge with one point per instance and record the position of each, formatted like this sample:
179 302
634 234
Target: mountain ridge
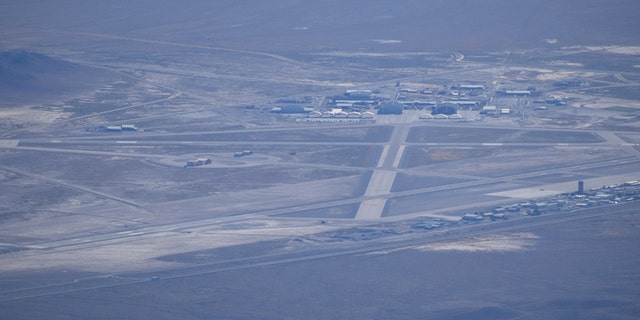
28 77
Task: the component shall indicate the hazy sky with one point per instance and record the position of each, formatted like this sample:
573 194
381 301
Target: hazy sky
284 25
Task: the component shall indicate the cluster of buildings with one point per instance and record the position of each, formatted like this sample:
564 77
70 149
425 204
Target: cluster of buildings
243 153
443 102
355 99
123 127
205 161
607 195
494 111
198 162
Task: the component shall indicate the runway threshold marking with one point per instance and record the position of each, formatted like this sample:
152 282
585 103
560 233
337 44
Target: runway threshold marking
396 161
381 181
383 156
371 209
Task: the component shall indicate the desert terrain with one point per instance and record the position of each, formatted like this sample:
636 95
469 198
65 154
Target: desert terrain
319 161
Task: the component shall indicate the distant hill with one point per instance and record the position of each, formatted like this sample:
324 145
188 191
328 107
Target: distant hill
30 78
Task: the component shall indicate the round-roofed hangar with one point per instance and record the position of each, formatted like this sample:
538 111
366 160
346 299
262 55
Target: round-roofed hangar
445 108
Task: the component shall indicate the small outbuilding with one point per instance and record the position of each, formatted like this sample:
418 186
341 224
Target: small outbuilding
198 162
291 109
